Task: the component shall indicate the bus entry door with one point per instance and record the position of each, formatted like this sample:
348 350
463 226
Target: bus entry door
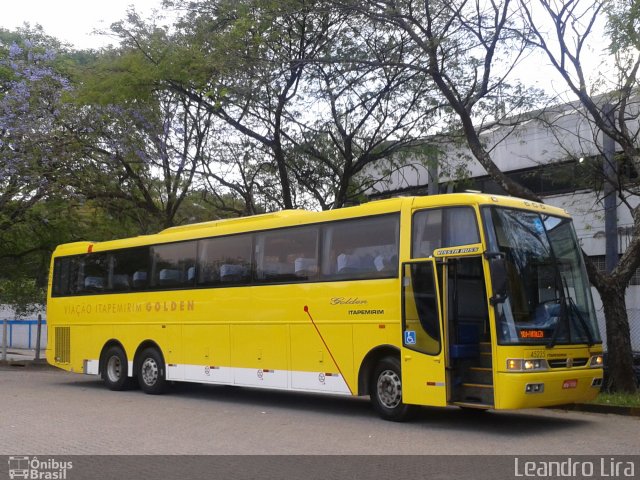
423 355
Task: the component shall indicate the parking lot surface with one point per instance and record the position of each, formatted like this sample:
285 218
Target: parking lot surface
48 411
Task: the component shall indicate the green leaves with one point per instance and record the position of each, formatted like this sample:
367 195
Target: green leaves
623 26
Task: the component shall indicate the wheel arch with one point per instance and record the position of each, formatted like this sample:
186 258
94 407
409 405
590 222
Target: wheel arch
370 361
142 347
108 344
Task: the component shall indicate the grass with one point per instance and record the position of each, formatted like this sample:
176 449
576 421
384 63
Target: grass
619 399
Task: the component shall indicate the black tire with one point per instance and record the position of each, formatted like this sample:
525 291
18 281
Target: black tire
386 391
151 372
115 369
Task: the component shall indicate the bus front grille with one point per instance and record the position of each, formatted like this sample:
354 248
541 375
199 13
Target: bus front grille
63 345
568 362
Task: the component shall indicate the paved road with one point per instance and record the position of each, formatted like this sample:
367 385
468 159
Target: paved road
47 411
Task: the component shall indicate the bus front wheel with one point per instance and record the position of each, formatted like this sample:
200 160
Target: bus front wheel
115 369
386 391
151 372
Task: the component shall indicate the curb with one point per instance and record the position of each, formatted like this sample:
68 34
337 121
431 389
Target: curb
599 408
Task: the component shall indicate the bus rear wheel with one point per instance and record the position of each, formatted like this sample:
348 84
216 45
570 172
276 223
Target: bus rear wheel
115 369
386 391
151 372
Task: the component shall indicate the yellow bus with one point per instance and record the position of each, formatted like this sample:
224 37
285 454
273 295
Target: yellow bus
465 299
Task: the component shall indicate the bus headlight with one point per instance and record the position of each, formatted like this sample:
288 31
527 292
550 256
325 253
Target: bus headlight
596 361
526 364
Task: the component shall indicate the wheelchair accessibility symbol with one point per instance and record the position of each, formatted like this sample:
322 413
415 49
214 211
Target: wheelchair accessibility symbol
410 337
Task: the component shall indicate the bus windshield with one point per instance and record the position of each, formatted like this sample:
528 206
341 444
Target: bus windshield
548 299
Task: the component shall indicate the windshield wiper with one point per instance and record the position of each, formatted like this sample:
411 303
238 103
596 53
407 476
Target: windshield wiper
583 322
565 316
564 294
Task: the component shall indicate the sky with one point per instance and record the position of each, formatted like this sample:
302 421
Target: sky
72 21
75 22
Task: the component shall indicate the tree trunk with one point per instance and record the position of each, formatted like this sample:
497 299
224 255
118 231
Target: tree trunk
620 359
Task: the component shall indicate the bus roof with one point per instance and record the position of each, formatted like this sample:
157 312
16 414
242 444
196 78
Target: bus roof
283 214
285 218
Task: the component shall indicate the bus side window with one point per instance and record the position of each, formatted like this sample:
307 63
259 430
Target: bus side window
361 248
94 273
287 255
171 265
224 261
139 279
129 268
443 227
305 267
65 276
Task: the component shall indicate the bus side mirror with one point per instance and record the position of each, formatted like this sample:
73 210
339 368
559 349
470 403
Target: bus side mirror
498 271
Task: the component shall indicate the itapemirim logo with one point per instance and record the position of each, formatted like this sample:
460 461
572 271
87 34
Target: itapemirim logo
33 468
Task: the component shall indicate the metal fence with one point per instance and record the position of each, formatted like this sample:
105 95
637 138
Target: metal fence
634 328
23 333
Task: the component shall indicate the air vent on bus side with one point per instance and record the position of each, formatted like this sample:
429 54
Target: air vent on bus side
63 345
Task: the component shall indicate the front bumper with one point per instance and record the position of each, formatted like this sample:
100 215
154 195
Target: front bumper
558 388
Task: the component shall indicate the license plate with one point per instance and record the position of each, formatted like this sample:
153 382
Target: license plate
570 384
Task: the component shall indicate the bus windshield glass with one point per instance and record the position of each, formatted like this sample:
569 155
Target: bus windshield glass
548 298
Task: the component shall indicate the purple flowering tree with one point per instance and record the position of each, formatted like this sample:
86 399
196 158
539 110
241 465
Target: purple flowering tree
32 136
33 146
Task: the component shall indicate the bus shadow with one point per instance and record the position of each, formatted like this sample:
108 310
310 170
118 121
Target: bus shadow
518 423
278 399
514 423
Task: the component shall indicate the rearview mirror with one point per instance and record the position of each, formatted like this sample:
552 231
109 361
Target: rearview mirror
498 271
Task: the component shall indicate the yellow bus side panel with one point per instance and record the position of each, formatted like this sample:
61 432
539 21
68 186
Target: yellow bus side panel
205 344
259 346
260 332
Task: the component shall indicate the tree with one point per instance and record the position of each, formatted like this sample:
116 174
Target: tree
33 142
240 177
270 44
26 248
142 154
468 50
142 144
373 112
267 71
32 136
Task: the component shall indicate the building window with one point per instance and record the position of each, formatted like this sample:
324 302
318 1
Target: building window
599 261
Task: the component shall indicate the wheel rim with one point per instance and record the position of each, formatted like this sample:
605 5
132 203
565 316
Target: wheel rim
114 368
149 371
389 389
